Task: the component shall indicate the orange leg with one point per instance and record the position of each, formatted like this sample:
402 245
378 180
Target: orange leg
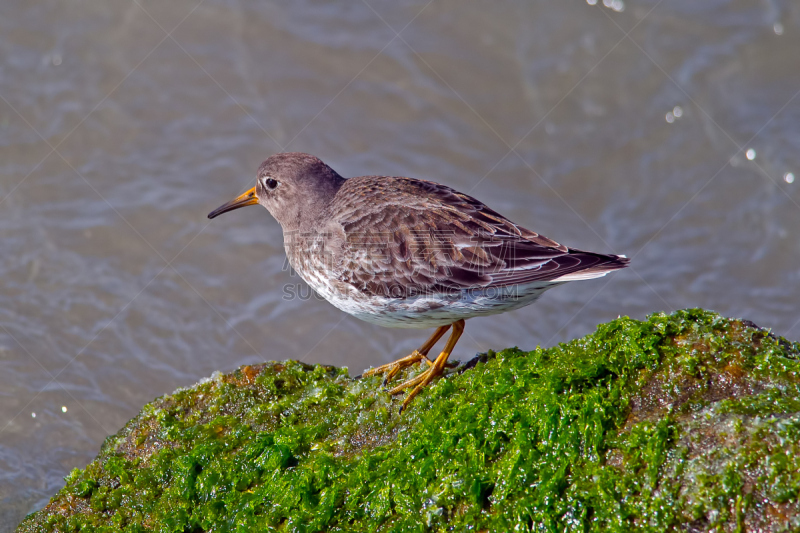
391 369
436 369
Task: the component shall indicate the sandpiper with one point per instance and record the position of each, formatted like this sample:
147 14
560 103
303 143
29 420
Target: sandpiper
409 253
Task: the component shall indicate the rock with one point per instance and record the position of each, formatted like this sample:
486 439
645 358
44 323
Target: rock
688 421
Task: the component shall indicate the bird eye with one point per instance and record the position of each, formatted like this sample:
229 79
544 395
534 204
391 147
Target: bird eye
271 183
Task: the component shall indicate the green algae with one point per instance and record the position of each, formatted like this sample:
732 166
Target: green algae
683 421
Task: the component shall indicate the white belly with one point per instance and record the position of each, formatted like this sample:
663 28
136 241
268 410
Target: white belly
430 310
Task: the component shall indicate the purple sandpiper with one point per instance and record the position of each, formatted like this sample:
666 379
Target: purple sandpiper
409 253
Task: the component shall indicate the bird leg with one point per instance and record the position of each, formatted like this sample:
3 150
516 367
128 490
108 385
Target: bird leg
436 369
391 369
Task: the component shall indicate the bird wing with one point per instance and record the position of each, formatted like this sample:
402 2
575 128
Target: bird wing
423 237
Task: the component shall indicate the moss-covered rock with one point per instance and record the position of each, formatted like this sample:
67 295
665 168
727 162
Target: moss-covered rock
687 421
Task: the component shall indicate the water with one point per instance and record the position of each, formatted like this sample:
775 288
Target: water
672 145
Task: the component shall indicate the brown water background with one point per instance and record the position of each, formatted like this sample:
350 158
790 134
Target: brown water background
668 131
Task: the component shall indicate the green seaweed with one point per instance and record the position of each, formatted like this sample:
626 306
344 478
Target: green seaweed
688 420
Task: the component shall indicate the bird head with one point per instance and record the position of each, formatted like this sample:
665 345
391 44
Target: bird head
293 186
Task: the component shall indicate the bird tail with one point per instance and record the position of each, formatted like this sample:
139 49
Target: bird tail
610 263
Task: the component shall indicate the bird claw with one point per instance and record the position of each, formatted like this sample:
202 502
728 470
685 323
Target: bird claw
390 370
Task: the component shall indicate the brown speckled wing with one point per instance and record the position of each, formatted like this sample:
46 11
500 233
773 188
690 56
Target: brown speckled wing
405 236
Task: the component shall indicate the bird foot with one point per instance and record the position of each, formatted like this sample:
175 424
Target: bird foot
391 369
420 382
435 368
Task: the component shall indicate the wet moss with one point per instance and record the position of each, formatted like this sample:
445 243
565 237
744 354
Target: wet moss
686 421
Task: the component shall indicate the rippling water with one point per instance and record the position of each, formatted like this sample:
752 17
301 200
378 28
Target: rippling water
667 131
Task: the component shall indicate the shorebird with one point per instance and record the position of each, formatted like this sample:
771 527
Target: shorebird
409 253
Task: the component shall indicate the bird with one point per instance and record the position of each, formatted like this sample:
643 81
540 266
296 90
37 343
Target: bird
403 252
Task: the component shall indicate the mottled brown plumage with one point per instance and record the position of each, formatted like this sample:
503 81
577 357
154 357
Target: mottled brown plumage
426 237
404 252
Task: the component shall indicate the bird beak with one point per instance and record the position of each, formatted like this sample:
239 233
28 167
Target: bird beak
248 198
